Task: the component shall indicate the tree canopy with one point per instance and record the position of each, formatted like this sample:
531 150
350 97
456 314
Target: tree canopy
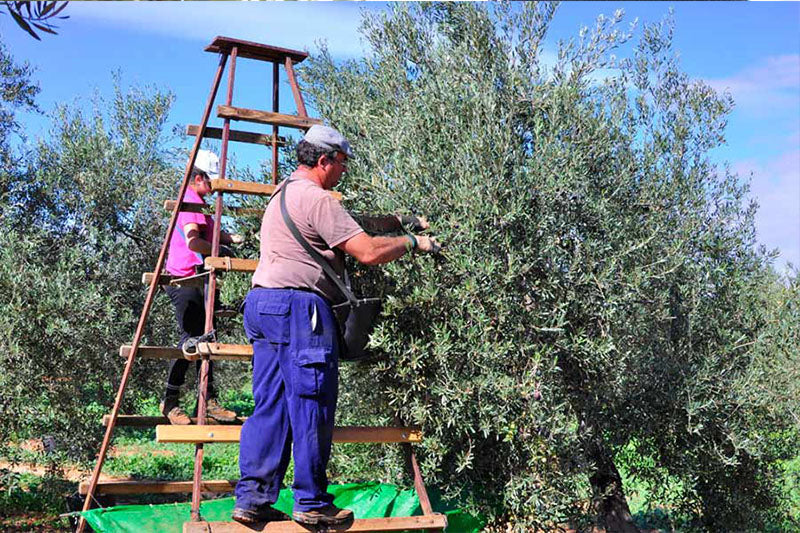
601 299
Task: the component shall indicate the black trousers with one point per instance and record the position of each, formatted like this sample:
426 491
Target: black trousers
190 312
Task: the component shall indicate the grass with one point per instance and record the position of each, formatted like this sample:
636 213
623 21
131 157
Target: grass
32 503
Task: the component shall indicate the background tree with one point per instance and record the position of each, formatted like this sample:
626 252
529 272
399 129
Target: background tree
17 92
82 219
32 16
601 301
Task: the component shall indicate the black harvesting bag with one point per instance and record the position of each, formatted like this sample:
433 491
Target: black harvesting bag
356 317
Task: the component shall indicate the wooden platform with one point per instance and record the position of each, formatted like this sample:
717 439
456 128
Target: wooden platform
251 50
235 135
231 433
266 117
142 486
432 522
229 352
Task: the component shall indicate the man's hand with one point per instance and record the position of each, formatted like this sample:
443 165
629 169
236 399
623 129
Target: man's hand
428 244
415 223
236 238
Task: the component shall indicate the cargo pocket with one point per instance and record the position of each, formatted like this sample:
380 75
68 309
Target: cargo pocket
313 367
274 317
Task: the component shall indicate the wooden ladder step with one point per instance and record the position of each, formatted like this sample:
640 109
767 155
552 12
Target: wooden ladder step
218 351
152 421
141 486
266 117
251 187
231 264
258 51
434 522
231 433
235 135
166 279
169 205
242 187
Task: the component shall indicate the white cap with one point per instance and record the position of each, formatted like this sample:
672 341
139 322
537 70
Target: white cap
208 162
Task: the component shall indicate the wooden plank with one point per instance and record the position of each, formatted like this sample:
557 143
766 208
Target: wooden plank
218 348
251 50
221 351
242 352
435 522
266 117
169 205
231 433
231 264
251 187
152 421
139 486
236 135
373 434
242 187
166 279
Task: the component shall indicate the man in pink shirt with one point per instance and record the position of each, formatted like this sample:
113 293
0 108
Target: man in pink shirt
296 339
190 242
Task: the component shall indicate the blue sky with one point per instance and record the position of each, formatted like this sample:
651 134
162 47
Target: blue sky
751 49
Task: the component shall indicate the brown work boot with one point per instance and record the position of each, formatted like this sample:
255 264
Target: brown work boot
219 413
176 415
250 517
330 515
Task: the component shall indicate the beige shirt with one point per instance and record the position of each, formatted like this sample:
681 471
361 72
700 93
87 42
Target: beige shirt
321 220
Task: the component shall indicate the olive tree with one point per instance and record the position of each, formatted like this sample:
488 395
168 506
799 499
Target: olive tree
601 301
82 219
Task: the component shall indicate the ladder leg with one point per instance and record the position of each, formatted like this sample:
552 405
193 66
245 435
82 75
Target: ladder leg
211 294
275 74
413 467
419 485
149 300
298 96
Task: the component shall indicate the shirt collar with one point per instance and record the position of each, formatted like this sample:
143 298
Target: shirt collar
191 197
303 174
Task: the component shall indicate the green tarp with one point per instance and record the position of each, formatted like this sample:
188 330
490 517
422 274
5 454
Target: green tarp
367 500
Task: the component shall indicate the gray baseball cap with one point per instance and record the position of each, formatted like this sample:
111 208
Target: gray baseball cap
328 138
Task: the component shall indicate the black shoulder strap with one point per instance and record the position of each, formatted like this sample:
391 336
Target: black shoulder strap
326 267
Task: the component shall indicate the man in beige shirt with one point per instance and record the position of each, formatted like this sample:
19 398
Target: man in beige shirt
296 340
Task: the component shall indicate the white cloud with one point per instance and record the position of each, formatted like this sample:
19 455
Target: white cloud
287 24
776 187
771 87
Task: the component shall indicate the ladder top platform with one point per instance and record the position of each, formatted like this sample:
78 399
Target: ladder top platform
251 50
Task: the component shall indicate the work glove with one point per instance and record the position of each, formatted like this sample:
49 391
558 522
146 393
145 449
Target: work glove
236 238
428 244
413 222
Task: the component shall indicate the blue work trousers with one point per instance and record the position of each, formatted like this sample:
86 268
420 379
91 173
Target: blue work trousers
295 386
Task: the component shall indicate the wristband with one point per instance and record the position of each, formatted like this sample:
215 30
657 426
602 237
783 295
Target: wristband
413 241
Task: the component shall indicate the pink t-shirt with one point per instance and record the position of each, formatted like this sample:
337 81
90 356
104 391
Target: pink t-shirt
181 260
321 220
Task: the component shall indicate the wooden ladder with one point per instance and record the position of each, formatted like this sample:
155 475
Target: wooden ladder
206 431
